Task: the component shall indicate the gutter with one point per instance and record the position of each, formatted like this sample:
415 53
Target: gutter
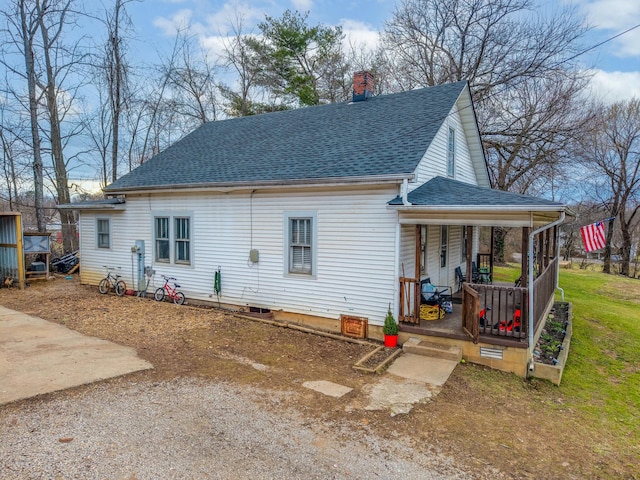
230 186
530 281
409 207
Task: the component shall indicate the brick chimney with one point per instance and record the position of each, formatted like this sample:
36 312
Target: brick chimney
362 86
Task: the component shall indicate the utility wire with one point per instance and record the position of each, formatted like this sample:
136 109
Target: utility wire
593 47
561 62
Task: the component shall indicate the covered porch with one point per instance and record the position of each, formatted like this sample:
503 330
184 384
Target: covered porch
483 312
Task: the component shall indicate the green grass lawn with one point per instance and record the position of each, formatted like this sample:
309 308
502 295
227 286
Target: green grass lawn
601 382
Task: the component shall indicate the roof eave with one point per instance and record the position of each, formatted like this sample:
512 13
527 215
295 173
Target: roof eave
227 186
96 207
478 208
507 216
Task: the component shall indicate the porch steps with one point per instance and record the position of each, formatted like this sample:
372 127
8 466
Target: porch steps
431 349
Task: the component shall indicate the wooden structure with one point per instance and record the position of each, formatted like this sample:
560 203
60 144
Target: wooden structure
11 249
36 243
513 314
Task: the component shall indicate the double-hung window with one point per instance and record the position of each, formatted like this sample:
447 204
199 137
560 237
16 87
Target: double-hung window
182 239
172 239
451 153
300 246
301 243
162 239
103 232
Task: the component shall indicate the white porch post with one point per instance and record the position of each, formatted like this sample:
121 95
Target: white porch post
396 289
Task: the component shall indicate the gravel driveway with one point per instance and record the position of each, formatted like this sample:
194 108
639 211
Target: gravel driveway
186 428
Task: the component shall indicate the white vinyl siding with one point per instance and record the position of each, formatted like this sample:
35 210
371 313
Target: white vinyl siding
103 232
435 161
353 254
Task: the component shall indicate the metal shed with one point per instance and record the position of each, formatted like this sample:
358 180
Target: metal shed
11 248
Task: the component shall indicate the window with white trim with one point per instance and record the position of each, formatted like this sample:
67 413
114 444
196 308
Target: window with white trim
451 153
300 245
103 232
182 239
161 236
172 239
300 232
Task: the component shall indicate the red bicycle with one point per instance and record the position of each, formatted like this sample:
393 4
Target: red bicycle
170 291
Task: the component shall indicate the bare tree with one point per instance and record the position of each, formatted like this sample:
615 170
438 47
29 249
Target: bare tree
99 133
193 84
53 16
20 32
241 60
526 94
491 43
148 121
115 68
9 166
611 149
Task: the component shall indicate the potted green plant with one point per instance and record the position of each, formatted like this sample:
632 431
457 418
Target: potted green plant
390 330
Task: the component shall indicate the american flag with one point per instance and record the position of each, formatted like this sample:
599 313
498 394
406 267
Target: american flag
593 236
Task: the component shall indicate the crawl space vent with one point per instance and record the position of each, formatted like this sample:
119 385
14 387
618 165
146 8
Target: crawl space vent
491 353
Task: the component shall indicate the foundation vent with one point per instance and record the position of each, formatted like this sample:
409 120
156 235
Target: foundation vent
491 353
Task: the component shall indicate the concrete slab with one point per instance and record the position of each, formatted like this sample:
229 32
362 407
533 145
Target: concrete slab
397 395
434 371
37 356
327 388
409 380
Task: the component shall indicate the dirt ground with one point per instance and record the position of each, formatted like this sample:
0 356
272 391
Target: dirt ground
486 419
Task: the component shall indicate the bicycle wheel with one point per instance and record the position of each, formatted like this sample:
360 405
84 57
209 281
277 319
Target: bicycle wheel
120 288
159 295
178 298
103 286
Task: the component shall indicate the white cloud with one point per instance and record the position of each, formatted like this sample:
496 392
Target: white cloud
302 5
612 14
615 16
178 21
359 34
221 22
615 86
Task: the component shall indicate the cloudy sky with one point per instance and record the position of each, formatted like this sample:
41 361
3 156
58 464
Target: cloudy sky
615 64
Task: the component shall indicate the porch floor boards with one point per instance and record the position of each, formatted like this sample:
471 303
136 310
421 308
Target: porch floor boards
451 327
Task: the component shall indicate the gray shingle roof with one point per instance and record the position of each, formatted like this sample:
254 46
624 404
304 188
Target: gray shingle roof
386 135
441 191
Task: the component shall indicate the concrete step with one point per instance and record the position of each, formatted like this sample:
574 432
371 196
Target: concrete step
431 349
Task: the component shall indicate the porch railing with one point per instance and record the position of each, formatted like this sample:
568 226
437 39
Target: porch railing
501 310
409 300
544 289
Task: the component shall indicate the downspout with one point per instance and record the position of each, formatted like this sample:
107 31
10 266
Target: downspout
530 281
405 192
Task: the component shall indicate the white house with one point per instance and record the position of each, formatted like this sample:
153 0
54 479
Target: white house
321 211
